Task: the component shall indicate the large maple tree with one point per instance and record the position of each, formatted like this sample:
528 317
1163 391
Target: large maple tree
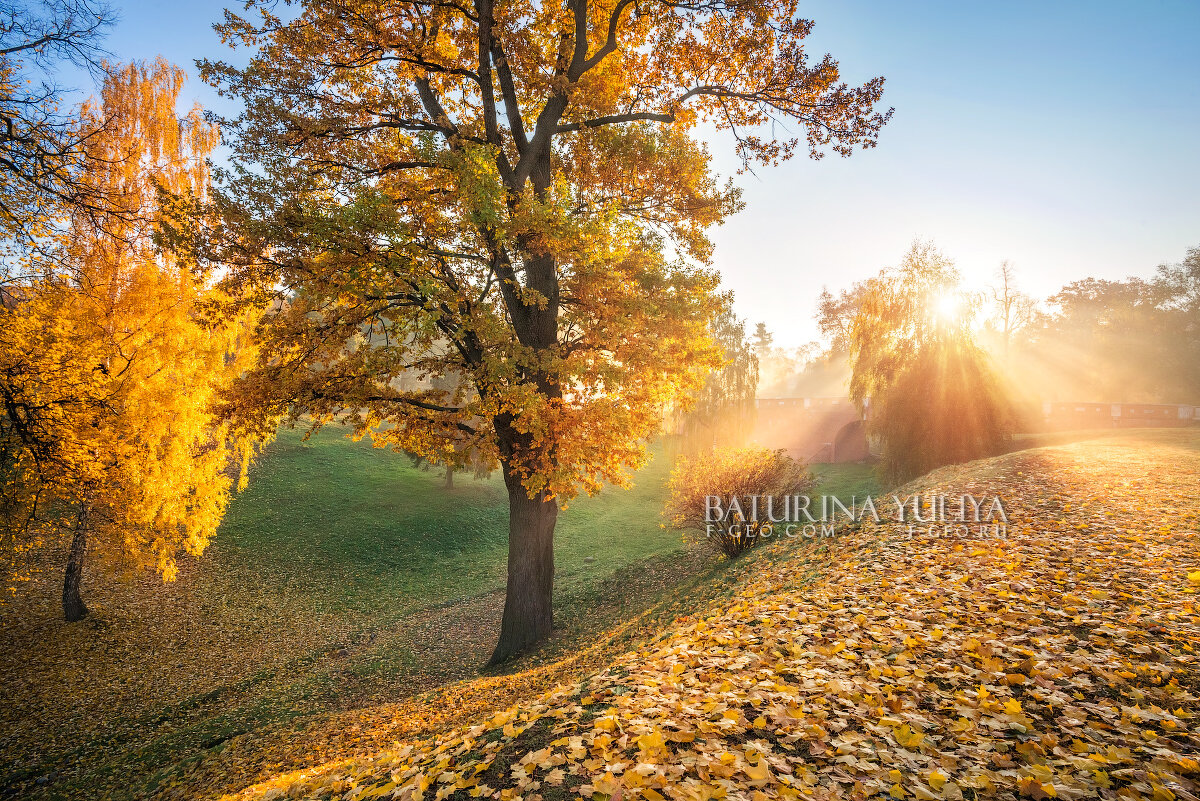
507 198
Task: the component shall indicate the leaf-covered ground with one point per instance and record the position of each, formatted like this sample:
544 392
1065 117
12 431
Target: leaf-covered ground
1061 662
344 584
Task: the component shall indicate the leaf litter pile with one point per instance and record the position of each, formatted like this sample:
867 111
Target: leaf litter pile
1060 662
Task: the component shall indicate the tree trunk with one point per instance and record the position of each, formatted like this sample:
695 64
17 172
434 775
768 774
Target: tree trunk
528 599
73 606
449 478
529 596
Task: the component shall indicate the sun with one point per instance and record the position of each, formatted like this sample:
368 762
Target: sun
948 306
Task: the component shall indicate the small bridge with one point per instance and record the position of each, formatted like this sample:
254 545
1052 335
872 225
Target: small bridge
1060 415
812 429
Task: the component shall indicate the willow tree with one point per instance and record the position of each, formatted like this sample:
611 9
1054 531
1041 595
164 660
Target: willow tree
109 367
932 394
492 187
721 413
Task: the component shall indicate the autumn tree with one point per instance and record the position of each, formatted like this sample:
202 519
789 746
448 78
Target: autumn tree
1178 286
1013 309
517 181
109 369
779 367
763 340
821 369
836 313
470 460
1131 340
931 394
1102 340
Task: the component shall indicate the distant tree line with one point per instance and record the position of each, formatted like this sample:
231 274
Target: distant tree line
722 412
1136 340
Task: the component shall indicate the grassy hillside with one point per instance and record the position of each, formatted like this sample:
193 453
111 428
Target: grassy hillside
343 579
370 532
343 576
846 481
1059 661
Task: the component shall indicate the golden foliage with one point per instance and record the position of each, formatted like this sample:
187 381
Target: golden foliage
109 369
506 199
714 492
930 393
485 197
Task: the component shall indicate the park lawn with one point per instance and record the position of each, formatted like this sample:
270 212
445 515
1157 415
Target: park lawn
370 532
846 482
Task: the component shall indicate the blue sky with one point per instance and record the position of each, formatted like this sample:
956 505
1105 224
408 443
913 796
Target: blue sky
1059 135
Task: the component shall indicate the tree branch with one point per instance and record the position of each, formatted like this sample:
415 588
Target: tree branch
610 43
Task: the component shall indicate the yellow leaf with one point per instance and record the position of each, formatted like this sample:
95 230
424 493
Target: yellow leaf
1163 793
651 742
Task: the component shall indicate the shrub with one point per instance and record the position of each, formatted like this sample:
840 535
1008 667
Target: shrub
703 489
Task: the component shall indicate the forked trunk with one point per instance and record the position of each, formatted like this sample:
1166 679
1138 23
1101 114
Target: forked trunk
529 596
73 605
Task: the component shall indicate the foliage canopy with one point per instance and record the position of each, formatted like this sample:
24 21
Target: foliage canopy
110 368
930 392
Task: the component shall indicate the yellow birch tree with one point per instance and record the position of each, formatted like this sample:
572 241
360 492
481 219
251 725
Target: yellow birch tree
109 369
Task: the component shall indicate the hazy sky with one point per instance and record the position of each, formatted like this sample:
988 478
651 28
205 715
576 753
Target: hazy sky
1061 136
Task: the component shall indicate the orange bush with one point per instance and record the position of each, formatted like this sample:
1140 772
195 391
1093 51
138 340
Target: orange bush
722 494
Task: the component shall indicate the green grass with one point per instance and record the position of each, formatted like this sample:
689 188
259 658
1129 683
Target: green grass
371 532
845 481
